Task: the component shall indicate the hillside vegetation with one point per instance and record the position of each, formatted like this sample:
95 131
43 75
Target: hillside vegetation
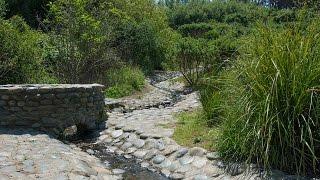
256 65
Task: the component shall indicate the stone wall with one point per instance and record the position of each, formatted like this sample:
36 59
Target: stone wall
54 107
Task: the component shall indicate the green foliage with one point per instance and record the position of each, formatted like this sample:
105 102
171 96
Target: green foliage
21 53
140 33
80 40
272 115
33 11
193 56
124 81
2 8
195 29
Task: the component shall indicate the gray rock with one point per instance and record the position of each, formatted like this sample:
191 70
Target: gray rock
200 177
131 150
150 154
140 154
166 163
186 160
158 159
145 164
213 156
125 146
165 172
235 169
90 151
170 149
181 152
150 144
176 176
160 145
197 151
116 134
199 162
138 143
118 171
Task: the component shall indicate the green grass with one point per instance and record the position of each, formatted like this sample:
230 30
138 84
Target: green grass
124 82
192 130
272 117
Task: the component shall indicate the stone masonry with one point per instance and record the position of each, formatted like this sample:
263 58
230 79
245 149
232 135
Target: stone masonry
51 107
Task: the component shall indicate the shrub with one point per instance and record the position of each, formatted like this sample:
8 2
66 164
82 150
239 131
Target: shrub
272 116
22 53
193 57
2 8
122 82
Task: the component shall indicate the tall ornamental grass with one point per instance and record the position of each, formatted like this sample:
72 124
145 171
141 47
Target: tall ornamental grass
273 112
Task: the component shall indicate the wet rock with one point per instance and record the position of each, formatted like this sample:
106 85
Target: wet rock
158 159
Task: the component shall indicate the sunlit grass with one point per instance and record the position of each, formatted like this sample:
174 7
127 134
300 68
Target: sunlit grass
192 130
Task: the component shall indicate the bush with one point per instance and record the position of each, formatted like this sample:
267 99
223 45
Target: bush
124 81
2 8
193 57
22 53
272 117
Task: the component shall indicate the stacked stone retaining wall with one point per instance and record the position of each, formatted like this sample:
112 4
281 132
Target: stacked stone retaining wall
54 107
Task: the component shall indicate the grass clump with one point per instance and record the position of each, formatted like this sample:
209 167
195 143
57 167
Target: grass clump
191 130
124 81
272 116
